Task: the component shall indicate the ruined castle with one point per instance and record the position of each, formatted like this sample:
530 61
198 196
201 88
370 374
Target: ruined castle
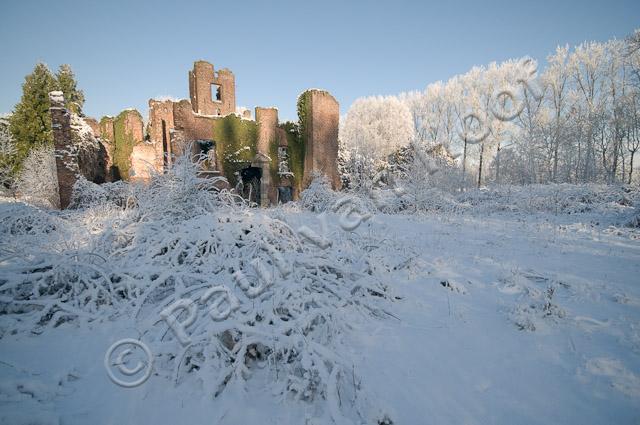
263 160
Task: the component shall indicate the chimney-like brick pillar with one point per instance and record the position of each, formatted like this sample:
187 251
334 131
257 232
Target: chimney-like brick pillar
321 151
66 152
267 120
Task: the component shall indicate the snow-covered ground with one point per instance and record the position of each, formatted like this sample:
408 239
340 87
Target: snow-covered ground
504 318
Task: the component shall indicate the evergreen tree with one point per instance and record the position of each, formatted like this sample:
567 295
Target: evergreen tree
73 97
30 122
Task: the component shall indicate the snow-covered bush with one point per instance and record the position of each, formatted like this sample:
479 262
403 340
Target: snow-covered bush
87 194
318 196
635 220
38 180
357 171
554 198
537 306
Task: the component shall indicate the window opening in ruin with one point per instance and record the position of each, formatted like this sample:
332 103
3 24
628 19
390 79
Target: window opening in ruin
165 145
216 93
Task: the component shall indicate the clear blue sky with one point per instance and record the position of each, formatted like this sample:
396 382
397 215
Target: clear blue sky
125 52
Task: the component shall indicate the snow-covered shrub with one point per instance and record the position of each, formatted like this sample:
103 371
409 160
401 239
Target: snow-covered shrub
634 221
357 172
87 194
537 300
38 180
561 199
318 196
554 198
18 220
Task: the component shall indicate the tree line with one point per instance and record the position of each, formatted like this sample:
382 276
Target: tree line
576 121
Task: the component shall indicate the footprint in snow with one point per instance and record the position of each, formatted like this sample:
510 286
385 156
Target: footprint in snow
622 379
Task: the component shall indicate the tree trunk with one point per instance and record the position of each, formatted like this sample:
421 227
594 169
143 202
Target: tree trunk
480 166
464 164
498 165
633 152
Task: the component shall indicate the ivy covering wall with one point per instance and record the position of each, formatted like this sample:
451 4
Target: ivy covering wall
122 145
303 107
273 166
236 141
296 149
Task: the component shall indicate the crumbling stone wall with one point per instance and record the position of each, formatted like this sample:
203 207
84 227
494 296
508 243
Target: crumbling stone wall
159 130
322 117
95 126
91 154
77 151
200 80
189 127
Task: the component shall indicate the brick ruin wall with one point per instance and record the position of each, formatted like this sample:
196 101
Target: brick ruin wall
189 127
160 125
77 153
321 151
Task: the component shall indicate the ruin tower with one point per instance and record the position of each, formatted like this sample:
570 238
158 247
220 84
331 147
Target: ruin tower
65 151
212 93
267 120
321 135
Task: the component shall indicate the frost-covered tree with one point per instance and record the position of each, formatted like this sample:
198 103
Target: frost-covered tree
73 97
576 122
632 120
556 82
373 129
632 57
377 126
8 152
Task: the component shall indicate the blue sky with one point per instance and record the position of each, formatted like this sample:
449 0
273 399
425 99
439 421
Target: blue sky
125 52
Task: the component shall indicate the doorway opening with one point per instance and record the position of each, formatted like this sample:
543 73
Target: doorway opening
251 177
